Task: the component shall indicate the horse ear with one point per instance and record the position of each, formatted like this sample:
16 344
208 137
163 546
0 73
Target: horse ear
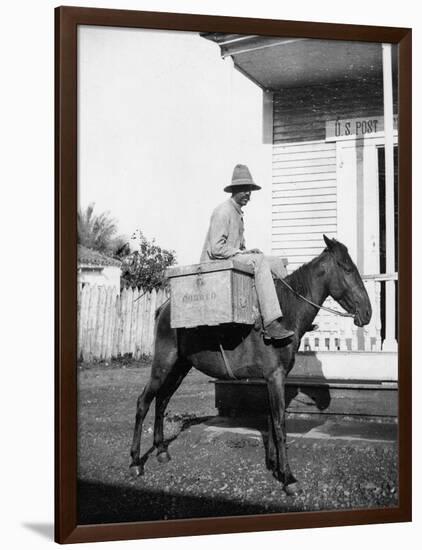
328 242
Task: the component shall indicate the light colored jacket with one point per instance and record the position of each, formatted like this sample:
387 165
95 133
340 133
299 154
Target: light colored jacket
225 235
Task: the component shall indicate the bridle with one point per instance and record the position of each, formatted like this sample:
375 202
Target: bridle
330 310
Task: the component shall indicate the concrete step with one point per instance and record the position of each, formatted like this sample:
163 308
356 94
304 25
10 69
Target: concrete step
306 428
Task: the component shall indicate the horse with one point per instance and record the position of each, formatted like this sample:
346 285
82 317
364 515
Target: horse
211 349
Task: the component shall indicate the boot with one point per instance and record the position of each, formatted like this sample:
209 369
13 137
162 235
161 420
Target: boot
276 331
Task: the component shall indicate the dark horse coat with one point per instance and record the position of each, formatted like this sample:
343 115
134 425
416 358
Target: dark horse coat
332 273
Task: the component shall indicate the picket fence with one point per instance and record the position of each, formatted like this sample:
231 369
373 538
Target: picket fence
341 334
112 325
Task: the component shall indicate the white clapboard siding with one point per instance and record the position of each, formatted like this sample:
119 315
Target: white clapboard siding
301 178
302 246
301 186
283 161
304 192
314 149
305 223
112 325
280 170
295 242
304 196
302 231
304 207
307 202
300 214
308 251
282 207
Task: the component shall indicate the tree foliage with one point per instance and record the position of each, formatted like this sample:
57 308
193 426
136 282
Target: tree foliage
145 266
98 231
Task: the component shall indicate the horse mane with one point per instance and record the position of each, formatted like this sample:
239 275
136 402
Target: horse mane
302 280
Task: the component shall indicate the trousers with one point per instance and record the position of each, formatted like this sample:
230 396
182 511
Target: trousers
264 269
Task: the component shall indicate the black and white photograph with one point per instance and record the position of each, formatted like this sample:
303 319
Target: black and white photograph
211 274
237 275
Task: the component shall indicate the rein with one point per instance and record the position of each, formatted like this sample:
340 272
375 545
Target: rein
334 311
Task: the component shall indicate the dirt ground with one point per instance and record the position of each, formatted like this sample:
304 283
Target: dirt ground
213 471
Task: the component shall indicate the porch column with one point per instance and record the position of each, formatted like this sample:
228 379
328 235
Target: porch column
390 342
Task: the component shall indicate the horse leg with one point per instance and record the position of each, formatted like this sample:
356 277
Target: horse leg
173 381
142 407
161 368
271 458
276 388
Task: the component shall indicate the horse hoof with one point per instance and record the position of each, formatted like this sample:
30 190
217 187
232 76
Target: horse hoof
293 489
136 471
163 457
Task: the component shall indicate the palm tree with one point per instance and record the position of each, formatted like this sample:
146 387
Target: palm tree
98 231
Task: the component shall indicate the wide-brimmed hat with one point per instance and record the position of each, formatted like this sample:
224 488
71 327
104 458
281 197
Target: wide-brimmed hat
241 179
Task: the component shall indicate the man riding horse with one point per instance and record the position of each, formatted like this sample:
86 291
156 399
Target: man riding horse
225 239
176 351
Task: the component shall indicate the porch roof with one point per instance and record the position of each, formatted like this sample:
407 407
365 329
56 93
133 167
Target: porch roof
276 62
90 257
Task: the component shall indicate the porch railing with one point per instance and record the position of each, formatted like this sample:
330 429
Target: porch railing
341 334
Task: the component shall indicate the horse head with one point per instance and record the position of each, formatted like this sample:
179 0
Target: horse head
345 284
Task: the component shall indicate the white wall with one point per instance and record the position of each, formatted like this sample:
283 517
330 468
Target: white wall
27 230
106 276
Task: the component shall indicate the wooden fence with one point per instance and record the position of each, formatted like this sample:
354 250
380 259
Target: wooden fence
112 325
341 334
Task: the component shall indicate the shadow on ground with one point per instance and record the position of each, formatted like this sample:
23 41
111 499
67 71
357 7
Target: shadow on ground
102 503
218 467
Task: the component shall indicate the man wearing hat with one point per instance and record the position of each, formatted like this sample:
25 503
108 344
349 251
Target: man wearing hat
225 239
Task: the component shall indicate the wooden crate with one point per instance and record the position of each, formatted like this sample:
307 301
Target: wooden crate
211 294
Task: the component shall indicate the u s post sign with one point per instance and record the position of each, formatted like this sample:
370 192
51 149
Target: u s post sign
354 127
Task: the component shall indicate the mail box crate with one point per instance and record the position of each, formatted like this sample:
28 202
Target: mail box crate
211 294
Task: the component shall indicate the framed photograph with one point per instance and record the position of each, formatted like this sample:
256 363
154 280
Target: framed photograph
233 274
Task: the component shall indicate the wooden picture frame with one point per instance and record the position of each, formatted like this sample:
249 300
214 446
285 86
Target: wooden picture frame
67 20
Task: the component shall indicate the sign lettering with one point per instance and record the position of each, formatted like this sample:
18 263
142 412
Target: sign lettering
355 127
205 297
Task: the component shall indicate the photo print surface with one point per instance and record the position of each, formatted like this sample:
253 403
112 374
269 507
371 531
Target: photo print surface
228 186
